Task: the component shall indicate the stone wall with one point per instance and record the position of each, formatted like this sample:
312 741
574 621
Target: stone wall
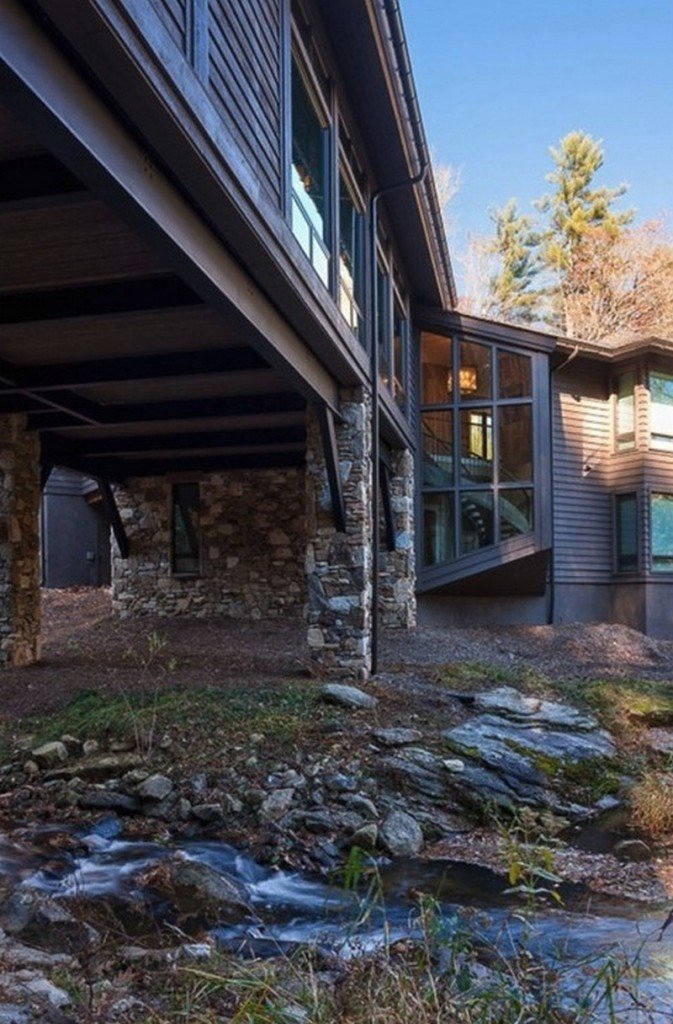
19 543
253 540
338 565
397 569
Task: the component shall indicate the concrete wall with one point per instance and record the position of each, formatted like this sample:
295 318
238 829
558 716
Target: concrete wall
253 539
464 612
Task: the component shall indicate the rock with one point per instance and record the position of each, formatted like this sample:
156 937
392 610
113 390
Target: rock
658 740
231 804
90 747
37 920
430 779
338 782
155 788
50 754
347 696
72 744
632 850
360 803
401 835
16 955
200 895
453 764
255 796
108 800
31 767
10 1013
609 802
505 700
24 985
365 837
208 813
396 737
276 804
98 769
289 779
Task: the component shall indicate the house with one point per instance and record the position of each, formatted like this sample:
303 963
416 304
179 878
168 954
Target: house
226 297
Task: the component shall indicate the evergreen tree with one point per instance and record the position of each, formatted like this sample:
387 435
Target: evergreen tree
511 295
575 209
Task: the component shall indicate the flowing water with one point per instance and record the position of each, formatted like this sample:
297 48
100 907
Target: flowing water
291 910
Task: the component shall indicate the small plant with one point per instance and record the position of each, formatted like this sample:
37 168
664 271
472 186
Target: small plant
149 661
652 803
529 851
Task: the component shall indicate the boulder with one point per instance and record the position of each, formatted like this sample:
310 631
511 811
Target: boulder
38 920
26 986
365 837
208 813
98 769
507 701
108 800
633 851
200 896
347 696
401 835
50 754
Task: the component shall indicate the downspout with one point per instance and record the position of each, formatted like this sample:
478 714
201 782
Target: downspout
397 40
552 562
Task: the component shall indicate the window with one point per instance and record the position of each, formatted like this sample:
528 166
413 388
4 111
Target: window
351 255
626 530
625 411
661 527
310 173
661 410
383 297
400 353
477 446
185 553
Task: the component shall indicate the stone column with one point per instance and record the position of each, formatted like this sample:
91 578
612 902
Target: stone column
338 565
19 543
397 569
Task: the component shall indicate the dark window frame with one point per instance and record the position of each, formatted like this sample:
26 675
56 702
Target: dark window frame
658 442
668 570
534 486
619 568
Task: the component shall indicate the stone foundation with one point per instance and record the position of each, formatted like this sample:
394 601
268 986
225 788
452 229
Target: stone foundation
19 543
397 569
252 536
338 565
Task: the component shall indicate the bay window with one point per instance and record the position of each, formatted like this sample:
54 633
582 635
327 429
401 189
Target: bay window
477 446
661 410
661 530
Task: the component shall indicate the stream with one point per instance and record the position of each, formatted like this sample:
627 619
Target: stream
292 910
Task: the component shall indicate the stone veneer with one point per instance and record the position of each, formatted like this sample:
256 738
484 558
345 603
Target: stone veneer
338 565
19 543
253 539
397 569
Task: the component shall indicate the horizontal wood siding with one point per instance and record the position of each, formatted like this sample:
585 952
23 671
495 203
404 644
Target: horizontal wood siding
582 501
244 80
174 14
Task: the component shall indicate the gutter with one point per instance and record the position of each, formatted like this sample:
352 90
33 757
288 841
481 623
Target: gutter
397 38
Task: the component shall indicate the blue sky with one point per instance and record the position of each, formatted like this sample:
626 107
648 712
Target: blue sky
499 81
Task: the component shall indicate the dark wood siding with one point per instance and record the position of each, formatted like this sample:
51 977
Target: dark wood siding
174 14
244 79
582 501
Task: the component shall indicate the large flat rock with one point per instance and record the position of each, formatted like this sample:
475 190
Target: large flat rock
510 703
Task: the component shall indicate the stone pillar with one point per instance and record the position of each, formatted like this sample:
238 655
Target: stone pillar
338 565
19 543
397 569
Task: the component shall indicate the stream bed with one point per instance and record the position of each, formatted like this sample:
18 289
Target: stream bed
291 910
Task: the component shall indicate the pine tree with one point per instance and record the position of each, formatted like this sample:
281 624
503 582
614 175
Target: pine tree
575 209
511 295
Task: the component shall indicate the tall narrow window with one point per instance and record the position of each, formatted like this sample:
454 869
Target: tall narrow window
310 175
625 424
400 350
661 528
626 528
383 325
351 257
661 410
185 552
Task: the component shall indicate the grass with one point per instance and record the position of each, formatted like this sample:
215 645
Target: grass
479 675
200 720
651 801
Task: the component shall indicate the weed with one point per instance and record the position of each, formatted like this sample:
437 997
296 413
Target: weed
651 802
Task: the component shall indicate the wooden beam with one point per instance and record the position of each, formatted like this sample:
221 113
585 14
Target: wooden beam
113 517
331 454
128 296
251 438
120 470
38 84
29 178
191 409
138 368
59 402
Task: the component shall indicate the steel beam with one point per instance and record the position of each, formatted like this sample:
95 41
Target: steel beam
331 455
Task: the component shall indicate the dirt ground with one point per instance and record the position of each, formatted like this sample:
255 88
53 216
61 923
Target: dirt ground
84 647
